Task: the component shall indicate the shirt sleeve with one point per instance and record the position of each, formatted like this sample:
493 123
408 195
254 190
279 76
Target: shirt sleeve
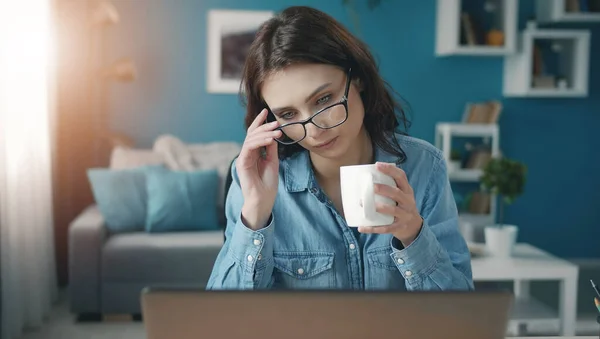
438 259
246 259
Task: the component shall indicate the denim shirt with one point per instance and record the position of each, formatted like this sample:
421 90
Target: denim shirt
308 245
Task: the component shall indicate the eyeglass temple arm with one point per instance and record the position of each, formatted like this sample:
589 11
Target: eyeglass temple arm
348 83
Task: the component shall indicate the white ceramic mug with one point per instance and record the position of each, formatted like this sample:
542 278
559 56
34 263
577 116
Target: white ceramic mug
358 196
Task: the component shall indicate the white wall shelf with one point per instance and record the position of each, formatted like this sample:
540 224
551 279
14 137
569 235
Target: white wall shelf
549 11
477 219
450 23
569 53
466 175
443 140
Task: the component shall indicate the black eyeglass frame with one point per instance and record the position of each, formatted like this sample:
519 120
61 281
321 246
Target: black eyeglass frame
343 102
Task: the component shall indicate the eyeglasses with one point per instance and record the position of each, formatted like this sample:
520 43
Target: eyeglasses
326 118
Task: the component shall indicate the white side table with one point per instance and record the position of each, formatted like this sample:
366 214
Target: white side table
527 264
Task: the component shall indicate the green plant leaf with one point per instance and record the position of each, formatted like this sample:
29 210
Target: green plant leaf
505 177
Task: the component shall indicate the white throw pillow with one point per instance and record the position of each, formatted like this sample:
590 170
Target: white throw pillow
126 158
176 153
217 155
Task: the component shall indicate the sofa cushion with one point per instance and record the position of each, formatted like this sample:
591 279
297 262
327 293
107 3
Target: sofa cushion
184 257
182 201
121 196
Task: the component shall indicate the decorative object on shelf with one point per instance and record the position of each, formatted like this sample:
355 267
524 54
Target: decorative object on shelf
561 82
532 71
479 157
471 33
505 178
495 37
549 11
482 113
531 23
230 34
455 162
490 6
463 30
480 203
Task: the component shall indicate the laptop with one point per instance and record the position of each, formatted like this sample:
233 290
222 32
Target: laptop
266 314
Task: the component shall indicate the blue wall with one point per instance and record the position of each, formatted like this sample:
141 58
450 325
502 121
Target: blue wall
556 138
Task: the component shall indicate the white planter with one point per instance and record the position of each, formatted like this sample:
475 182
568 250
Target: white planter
500 241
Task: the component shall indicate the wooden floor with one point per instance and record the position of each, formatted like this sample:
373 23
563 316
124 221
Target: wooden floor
64 325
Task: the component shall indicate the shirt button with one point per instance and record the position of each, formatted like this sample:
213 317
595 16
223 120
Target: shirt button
408 273
300 271
352 246
259 256
256 242
400 261
250 258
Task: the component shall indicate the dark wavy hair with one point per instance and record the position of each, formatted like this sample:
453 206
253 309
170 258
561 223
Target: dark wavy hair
302 34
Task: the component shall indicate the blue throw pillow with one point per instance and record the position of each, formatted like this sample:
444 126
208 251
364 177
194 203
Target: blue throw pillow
182 201
121 196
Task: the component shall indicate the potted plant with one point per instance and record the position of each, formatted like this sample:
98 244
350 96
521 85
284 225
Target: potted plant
505 178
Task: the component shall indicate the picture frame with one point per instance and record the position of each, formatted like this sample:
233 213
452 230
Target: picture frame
230 33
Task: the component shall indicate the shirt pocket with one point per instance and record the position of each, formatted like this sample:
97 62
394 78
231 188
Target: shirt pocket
304 270
381 271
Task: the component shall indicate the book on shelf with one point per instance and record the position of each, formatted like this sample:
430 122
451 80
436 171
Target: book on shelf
482 113
480 203
478 159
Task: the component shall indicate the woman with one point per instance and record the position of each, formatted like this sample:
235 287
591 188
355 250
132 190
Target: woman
285 222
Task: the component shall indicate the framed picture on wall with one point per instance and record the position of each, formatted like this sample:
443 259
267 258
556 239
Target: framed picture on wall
230 34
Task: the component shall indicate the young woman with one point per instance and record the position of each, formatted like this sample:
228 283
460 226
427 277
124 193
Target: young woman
316 102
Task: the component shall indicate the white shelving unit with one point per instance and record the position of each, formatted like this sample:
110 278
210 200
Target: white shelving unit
573 63
449 23
443 140
528 264
549 11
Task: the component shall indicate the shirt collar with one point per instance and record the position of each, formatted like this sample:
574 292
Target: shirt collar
298 169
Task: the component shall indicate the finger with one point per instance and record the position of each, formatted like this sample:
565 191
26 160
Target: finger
388 191
263 135
265 127
258 143
260 118
386 209
272 152
377 229
398 174
403 200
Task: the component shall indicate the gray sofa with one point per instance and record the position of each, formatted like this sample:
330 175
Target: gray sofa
108 271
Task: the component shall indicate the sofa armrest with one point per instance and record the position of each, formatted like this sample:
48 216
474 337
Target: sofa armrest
87 234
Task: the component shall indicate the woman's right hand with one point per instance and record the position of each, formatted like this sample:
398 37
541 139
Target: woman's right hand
259 176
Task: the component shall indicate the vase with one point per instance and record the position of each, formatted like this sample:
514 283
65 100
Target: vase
495 37
500 240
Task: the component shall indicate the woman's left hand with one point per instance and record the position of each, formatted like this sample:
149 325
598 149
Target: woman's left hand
407 220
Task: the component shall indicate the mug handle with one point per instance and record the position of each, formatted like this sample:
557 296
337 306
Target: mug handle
368 195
